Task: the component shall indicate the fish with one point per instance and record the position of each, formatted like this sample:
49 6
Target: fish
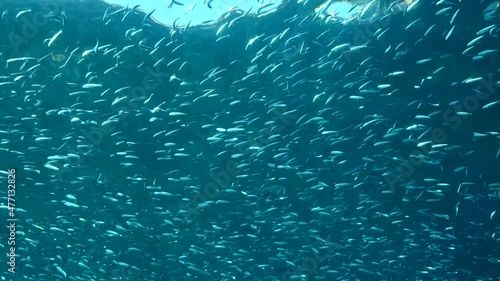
491 11
366 8
475 40
176 2
54 38
23 13
145 19
449 33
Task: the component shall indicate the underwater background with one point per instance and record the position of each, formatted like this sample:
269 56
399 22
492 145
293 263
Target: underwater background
285 145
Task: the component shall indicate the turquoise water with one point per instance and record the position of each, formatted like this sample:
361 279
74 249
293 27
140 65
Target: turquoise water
288 146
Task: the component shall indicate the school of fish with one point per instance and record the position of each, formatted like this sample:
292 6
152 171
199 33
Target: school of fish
261 146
